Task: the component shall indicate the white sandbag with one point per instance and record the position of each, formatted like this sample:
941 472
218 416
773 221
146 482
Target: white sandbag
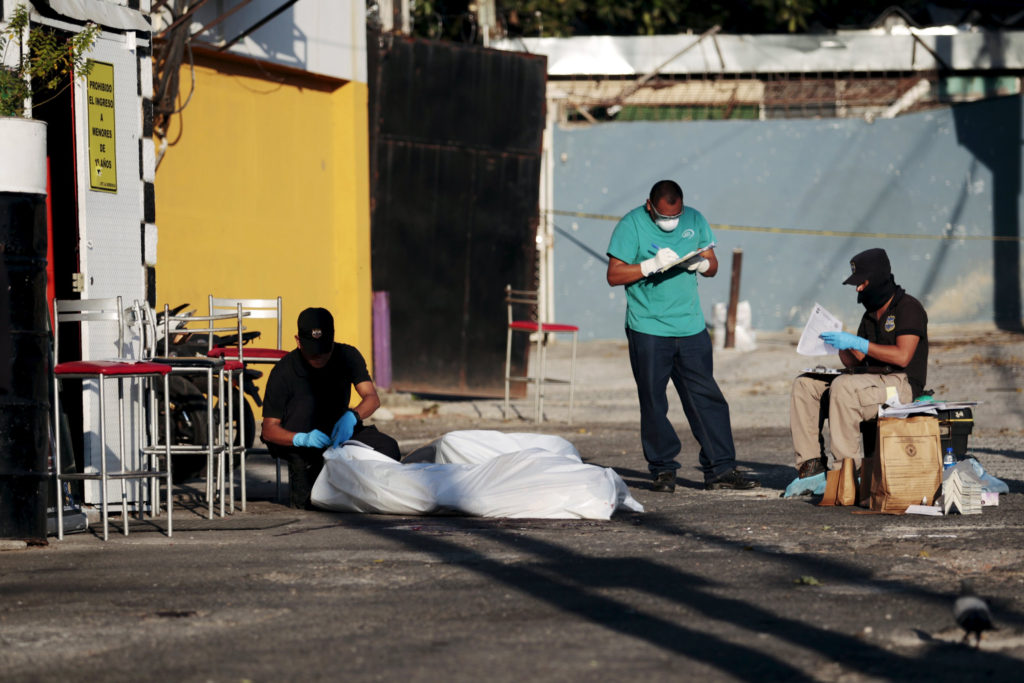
528 483
475 446
745 339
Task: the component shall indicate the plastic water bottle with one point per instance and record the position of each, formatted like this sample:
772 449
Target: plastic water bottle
948 460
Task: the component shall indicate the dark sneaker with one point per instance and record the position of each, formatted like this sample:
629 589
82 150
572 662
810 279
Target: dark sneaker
810 468
664 482
732 480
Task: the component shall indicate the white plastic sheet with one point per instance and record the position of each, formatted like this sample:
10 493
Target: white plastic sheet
477 446
542 477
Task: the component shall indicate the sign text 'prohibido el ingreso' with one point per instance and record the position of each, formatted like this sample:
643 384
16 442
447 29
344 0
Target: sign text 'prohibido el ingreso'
102 148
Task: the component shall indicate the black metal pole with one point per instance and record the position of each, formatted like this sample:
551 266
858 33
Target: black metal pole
734 298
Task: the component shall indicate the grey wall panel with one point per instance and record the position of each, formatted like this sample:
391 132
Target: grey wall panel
831 186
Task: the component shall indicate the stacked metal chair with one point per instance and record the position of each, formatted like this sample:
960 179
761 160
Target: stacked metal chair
266 309
218 398
138 451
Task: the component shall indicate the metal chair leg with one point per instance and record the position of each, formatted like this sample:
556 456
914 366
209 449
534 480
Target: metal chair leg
228 441
212 480
241 439
57 460
153 462
572 375
167 454
508 369
220 464
121 453
539 399
103 464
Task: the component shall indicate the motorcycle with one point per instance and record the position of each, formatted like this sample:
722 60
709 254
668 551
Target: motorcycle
188 400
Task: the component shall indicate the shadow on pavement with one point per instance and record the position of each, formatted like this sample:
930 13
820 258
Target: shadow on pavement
573 582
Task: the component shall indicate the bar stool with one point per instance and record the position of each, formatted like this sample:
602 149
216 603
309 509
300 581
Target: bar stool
118 370
516 299
232 377
212 371
267 309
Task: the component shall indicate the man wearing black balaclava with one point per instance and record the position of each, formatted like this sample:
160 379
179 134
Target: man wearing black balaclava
888 356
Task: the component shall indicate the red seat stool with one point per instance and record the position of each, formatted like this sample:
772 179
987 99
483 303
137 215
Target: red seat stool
140 465
515 301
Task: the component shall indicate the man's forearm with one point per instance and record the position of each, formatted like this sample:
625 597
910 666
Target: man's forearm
273 432
370 400
621 273
893 355
366 408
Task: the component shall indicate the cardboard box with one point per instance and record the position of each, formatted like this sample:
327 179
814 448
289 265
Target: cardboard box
907 466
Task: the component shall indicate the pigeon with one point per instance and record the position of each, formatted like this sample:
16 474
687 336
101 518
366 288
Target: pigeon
972 614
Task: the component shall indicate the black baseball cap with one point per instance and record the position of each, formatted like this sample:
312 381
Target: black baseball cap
872 264
316 330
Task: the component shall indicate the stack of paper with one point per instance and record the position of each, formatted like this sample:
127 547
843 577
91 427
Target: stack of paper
961 493
894 408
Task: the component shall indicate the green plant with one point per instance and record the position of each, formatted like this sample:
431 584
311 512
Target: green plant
45 59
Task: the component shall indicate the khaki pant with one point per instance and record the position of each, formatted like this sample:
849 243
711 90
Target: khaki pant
845 402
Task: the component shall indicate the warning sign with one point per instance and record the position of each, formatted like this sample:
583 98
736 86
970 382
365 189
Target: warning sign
102 147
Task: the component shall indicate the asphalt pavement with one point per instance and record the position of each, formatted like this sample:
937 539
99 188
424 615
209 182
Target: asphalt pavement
711 585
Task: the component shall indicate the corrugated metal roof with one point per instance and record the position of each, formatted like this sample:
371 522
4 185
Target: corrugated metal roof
853 51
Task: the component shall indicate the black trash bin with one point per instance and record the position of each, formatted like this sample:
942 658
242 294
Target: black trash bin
24 377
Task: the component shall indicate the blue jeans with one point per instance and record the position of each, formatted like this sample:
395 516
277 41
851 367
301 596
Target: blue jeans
687 361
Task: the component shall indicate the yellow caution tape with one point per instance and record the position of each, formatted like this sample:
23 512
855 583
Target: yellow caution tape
820 233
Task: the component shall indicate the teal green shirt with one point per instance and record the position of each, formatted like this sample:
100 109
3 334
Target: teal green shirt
665 304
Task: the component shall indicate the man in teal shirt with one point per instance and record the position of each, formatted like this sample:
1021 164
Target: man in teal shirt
668 337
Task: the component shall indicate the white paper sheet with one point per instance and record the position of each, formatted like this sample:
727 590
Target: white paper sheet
893 408
930 510
820 321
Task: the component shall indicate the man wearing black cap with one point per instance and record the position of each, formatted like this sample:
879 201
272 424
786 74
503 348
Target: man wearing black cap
888 355
306 406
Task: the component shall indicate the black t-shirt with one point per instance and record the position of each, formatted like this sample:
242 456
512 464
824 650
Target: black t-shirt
905 315
306 398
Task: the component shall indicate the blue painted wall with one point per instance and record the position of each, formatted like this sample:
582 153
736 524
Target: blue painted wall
951 173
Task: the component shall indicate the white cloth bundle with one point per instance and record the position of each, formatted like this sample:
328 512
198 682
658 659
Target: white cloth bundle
480 473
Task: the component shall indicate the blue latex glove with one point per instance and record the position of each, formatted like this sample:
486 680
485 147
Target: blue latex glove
842 341
313 439
814 485
343 427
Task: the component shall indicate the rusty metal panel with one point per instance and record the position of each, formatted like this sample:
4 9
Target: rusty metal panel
455 145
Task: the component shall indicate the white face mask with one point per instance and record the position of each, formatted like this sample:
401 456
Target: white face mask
667 224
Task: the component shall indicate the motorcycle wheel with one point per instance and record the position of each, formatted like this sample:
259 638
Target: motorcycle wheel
188 427
248 418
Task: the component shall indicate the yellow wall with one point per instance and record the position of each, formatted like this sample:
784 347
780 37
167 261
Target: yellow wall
266 193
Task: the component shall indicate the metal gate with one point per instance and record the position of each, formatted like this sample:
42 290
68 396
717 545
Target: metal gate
455 156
